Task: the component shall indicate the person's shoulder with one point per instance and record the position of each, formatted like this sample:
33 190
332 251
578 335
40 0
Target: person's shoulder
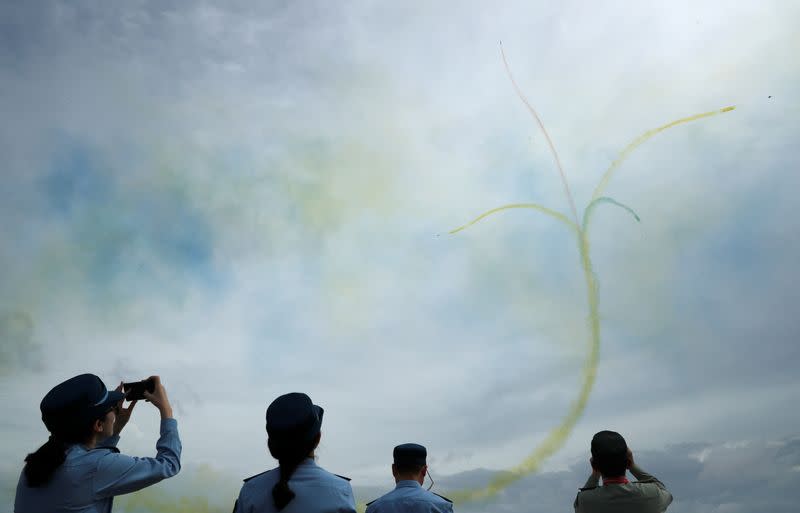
441 498
383 498
435 497
649 488
589 493
101 456
260 479
336 479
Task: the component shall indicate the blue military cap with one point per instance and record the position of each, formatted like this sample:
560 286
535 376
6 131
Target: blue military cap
410 454
293 417
84 397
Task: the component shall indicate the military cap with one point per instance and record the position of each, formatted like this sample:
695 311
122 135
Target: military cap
76 400
410 454
294 418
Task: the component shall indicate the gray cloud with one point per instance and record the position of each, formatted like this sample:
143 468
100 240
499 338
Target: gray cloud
262 187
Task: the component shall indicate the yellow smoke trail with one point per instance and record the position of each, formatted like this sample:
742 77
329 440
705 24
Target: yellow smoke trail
558 435
644 137
533 206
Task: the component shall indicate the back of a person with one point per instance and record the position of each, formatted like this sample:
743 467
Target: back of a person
411 499
611 460
316 491
298 485
632 497
409 469
71 486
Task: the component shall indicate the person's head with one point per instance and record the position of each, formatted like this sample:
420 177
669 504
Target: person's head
410 463
609 454
293 432
80 410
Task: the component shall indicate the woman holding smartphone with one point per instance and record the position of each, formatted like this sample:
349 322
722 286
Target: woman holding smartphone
79 468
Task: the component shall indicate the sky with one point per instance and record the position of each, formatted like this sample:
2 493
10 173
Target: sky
254 198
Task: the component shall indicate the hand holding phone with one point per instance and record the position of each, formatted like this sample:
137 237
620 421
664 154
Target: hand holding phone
134 391
150 390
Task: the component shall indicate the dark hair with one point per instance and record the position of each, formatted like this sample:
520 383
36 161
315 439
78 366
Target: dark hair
407 468
609 453
42 464
289 454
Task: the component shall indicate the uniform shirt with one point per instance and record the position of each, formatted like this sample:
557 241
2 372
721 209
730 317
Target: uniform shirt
647 495
410 497
88 479
316 491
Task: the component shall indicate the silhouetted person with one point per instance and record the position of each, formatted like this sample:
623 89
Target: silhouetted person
409 470
297 485
79 468
610 459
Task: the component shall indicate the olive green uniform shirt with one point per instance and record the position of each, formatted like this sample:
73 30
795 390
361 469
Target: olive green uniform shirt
646 495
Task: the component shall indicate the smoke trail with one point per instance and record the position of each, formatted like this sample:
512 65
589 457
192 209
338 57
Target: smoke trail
567 191
533 206
644 137
558 435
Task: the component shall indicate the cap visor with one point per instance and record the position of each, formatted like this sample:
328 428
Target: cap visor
113 398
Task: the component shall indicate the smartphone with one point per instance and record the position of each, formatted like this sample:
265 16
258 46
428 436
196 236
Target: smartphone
134 391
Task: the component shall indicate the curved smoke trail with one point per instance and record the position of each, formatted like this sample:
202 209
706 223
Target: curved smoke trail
556 438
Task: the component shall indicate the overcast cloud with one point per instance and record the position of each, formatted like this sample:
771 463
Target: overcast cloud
252 198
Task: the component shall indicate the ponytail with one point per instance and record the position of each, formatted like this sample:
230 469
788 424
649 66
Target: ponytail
42 464
289 459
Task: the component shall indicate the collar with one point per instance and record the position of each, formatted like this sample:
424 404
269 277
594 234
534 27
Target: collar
408 483
615 480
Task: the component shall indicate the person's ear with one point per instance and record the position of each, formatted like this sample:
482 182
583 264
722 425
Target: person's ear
98 425
424 471
317 439
591 462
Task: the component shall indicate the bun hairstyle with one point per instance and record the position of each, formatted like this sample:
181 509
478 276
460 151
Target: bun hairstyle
293 428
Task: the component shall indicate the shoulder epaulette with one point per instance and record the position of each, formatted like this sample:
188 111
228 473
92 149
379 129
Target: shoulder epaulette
370 502
343 477
443 497
587 488
108 447
252 477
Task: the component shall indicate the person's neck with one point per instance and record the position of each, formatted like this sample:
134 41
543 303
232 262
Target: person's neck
615 479
408 478
91 443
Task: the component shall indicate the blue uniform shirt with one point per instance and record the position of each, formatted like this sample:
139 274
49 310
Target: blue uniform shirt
410 497
316 491
88 480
